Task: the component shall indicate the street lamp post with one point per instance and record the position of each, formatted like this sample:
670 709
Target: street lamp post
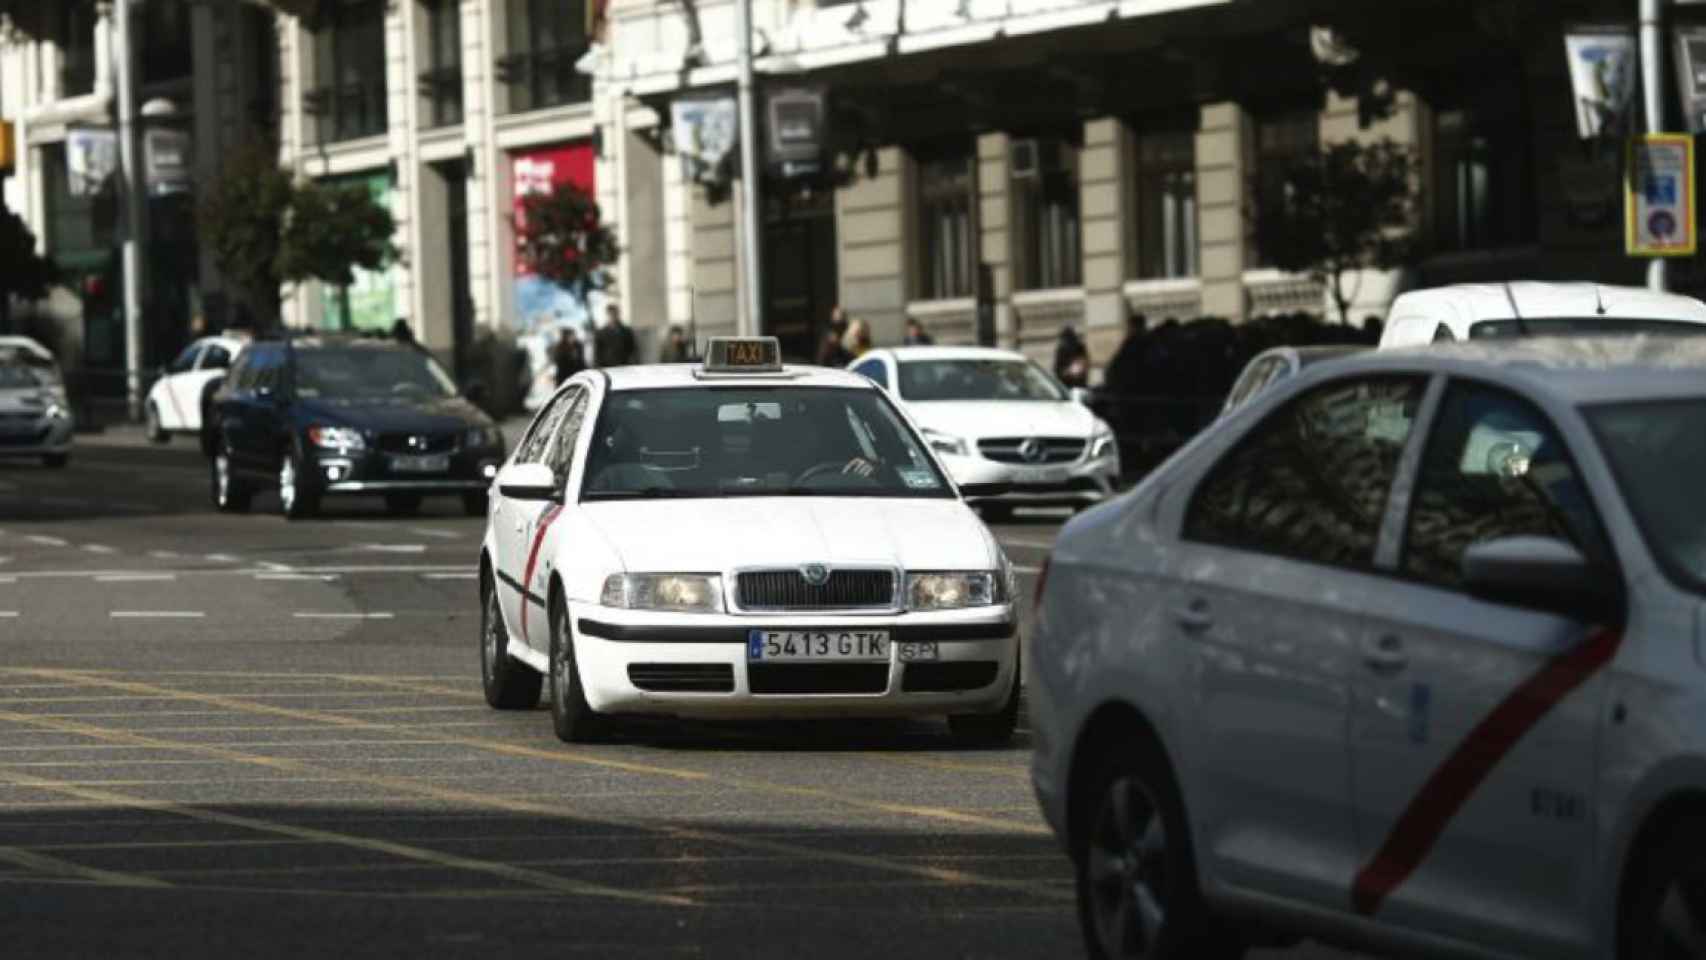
1652 92
750 174
135 203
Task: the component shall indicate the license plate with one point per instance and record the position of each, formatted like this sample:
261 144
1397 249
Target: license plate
783 646
916 652
434 463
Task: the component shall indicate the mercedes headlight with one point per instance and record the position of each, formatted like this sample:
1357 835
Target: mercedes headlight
947 443
339 438
674 592
952 591
484 437
1102 442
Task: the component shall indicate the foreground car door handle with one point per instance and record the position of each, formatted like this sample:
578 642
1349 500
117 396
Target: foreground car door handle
1385 654
1194 618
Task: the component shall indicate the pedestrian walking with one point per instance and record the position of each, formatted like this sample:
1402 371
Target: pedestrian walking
613 345
831 352
676 349
1124 376
1071 359
915 334
858 340
567 355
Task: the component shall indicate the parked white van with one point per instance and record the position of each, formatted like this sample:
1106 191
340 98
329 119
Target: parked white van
1475 311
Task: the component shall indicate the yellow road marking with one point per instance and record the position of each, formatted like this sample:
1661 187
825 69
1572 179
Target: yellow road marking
947 814
55 867
534 808
535 878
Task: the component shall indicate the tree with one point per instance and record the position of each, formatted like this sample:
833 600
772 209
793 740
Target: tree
26 274
560 235
1348 208
265 229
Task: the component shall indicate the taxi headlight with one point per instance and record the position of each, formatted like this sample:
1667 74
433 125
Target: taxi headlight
677 592
946 443
342 438
952 591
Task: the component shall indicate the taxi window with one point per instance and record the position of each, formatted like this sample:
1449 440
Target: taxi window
1311 480
534 446
1494 467
561 453
756 441
216 358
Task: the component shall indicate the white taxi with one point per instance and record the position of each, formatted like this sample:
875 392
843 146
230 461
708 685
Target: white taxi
740 539
1408 654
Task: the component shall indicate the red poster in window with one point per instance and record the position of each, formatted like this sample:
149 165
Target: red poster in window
537 171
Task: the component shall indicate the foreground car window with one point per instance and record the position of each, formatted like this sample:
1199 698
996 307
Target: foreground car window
976 380
1311 480
1657 450
358 372
1494 467
772 441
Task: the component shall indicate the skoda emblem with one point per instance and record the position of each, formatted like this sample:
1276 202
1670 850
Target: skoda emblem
815 574
1031 451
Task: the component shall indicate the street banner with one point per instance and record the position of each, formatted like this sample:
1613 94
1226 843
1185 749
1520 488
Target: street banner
91 156
705 130
1659 204
1691 72
542 308
1603 76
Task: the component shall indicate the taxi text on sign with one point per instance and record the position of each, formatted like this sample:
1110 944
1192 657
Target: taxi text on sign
1659 199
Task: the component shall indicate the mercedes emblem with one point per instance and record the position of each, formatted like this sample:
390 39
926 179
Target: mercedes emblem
1032 451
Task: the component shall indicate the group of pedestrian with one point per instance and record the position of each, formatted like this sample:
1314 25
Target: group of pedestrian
613 345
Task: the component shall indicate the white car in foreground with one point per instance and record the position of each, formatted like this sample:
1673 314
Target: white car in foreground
180 396
35 414
740 539
996 416
1409 654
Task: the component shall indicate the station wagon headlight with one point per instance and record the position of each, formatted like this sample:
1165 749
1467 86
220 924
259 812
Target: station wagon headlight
340 438
675 592
952 591
946 443
483 437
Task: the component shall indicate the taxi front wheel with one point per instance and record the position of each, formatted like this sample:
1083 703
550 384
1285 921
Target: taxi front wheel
509 683
1137 885
571 717
1664 915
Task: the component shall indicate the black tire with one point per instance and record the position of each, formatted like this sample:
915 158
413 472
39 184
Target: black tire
227 490
151 426
1137 883
297 499
403 504
475 504
995 512
572 719
509 683
55 461
1663 915
989 730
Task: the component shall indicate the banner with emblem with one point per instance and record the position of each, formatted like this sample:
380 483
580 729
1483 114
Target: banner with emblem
1603 77
705 131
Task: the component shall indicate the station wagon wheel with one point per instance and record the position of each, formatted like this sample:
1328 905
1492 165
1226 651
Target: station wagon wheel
571 717
228 492
509 684
1665 917
294 498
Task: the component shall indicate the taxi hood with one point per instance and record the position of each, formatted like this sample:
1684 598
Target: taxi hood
1004 418
719 534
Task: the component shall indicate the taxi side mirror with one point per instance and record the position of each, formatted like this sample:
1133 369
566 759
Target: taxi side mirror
528 481
1544 573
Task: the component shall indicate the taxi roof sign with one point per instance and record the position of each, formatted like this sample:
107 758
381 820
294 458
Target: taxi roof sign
743 355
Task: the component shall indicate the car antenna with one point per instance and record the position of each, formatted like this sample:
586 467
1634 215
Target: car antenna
1516 314
1598 300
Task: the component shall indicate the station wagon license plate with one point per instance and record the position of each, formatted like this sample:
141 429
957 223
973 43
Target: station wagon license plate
432 463
808 646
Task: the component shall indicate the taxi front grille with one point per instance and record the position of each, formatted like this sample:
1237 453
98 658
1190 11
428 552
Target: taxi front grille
814 678
1032 450
788 590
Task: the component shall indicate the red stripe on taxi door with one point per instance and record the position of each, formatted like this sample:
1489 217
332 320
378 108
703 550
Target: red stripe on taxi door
1456 780
548 517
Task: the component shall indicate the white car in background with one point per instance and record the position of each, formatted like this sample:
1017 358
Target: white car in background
178 398
1475 311
35 413
995 416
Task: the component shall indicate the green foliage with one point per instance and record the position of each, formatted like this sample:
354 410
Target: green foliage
332 230
25 273
561 236
1349 207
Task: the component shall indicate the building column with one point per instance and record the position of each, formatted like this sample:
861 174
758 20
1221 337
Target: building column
488 177
716 307
994 220
1222 175
678 244
401 104
644 288
872 252
1106 216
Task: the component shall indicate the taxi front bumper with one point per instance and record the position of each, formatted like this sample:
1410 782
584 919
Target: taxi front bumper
634 663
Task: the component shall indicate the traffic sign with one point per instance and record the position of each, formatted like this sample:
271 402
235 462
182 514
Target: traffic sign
1659 197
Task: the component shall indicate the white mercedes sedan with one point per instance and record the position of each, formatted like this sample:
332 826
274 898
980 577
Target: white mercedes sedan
995 414
740 538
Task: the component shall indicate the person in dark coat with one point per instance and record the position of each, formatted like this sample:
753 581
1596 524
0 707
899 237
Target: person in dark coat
567 355
832 352
915 335
1071 359
676 349
613 345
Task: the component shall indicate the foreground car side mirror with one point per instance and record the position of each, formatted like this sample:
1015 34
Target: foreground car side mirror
528 481
1544 573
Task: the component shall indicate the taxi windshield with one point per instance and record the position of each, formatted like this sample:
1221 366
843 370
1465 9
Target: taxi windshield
925 380
756 442
359 373
1657 449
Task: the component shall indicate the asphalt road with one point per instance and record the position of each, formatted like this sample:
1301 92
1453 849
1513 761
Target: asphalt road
225 734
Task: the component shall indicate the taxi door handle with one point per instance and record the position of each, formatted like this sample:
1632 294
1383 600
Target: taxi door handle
1194 618
1385 654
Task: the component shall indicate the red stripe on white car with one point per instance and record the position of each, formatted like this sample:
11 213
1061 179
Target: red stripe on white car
545 520
1431 810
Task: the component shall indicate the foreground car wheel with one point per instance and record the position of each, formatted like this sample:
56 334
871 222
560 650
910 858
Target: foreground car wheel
1137 883
294 498
989 729
1664 917
229 494
509 683
151 426
571 717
